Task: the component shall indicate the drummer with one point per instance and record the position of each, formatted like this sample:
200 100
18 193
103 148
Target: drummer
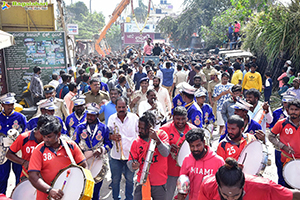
235 141
79 114
174 129
93 135
26 142
200 163
278 114
241 109
231 183
49 157
207 112
288 132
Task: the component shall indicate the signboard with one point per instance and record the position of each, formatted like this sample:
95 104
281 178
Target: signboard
72 29
45 49
136 38
3 86
132 28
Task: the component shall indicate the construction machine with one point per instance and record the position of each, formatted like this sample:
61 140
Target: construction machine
100 45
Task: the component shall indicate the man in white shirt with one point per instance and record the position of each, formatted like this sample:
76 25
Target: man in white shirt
260 112
124 126
179 77
153 106
54 82
163 96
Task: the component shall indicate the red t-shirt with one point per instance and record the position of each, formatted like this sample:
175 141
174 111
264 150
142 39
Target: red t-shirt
289 134
196 170
230 149
49 163
25 142
169 128
255 188
158 169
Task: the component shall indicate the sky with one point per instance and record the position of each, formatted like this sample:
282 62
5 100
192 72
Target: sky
107 8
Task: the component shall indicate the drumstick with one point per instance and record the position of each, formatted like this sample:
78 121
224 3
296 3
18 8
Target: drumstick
181 135
244 158
292 154
68 173
92 163
131 156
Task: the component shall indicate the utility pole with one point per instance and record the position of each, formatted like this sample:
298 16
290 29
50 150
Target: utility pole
91 6
61 13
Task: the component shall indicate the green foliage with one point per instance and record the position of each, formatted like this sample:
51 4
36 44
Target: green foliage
113 37
90 25
77 11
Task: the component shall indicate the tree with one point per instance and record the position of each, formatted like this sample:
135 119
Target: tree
77 11
90 25
113 37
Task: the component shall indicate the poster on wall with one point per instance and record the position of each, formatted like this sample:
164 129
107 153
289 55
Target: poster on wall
44 49
3 86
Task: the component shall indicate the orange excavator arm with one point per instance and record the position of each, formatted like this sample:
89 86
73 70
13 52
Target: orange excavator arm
117 12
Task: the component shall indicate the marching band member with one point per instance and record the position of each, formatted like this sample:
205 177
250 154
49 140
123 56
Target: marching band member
200 163
126 125
61 110
233 144
79 114
177 100
193 110
231 183
46 106
9 119
207 112
176 131
288 132
49 157
26 142
241 109
278 114
157 177
259 112
90 134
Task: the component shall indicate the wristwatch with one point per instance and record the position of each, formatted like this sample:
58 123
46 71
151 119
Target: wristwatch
48 190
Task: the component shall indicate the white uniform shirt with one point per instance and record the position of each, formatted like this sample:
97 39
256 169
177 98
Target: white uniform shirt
128 131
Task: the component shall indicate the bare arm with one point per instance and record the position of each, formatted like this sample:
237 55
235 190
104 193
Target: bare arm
296 194
16 159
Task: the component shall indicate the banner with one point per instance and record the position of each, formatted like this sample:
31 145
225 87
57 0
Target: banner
44 49
136 38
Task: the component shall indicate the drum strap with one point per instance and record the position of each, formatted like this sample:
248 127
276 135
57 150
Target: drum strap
66 146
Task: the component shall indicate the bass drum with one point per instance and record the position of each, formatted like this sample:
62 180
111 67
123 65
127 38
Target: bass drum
183 152
98 167
254 158
79 184
24 191
291 173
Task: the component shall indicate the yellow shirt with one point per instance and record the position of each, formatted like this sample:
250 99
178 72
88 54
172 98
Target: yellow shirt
252 80
236 77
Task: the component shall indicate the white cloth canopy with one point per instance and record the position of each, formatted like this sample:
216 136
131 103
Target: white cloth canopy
6 40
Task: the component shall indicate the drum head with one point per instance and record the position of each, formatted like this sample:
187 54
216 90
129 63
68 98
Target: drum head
74 186
184 151
252 156
94 166
291 173
24 191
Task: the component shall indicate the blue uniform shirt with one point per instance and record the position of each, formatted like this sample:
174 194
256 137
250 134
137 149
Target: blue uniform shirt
32 123
277 115
73 121
207 113
108 109
194 114
102 135
177 101
251 128
13 121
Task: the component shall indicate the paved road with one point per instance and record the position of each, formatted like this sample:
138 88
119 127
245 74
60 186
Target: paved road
270 172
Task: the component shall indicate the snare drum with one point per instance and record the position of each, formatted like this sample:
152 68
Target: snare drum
291 173
254 158
24 191
183 152
98 167
79 185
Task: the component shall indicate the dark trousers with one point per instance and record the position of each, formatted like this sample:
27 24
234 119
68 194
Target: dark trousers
157 192
4 174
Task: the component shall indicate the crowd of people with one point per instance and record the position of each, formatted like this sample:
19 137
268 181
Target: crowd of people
116 108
